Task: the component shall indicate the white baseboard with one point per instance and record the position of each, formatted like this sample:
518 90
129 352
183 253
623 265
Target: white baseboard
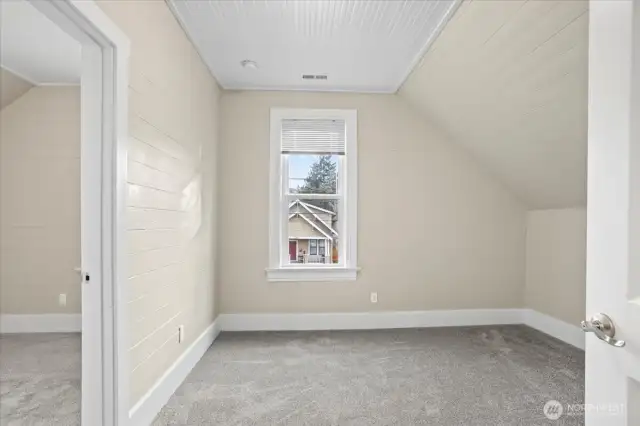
569 333
368 320
46 323
151 403
403 319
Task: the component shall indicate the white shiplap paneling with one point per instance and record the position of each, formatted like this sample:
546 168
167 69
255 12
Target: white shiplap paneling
171 158
364 45
508 80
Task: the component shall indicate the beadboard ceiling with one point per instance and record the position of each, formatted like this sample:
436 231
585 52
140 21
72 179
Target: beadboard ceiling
508 81
361 46
36 49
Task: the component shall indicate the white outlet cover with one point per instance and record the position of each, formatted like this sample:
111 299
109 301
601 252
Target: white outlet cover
62 299
374 297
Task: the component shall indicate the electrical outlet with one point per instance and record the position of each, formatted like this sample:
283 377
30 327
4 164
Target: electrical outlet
180 333
374 297
62 299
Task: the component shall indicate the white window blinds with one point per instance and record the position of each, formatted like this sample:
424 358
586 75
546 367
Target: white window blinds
313 136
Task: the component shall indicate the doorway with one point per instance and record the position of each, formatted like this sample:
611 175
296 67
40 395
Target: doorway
101 97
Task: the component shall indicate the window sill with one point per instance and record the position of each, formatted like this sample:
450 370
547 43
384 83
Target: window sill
288 274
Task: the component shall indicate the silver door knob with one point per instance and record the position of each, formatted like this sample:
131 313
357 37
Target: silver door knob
602 326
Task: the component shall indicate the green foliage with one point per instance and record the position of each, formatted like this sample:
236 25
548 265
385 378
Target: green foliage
321 178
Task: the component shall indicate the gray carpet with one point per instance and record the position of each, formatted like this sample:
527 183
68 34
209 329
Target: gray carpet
500 375
40 379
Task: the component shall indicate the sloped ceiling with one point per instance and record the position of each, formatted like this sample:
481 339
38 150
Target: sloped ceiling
508 80
11 87
32 46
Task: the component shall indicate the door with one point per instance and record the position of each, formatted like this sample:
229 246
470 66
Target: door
612 388
293 250
91 236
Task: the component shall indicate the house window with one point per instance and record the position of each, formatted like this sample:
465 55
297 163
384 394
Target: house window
313 195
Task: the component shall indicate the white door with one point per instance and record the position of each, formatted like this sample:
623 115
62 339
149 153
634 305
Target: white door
91 215
612 393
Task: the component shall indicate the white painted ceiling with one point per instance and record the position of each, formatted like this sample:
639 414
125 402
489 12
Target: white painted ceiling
36 49
508 81
363 45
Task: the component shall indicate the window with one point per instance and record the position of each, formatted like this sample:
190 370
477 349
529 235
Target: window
313 195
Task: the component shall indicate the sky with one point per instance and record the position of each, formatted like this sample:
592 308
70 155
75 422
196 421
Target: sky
299 166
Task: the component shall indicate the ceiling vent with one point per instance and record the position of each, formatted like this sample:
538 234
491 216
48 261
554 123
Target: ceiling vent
314 77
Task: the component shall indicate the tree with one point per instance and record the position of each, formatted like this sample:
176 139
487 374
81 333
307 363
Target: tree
322 179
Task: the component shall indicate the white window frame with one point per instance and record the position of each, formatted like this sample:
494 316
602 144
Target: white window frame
279 268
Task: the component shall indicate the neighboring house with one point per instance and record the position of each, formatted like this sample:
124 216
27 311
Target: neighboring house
312 234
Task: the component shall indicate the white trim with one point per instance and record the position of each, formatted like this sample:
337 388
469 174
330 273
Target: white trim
368 320
152 402
569 333
386 90
45 323
312 237
434 36
104 93
346 269
304 272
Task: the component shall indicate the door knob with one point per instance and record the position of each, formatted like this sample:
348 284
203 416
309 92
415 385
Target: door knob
602 326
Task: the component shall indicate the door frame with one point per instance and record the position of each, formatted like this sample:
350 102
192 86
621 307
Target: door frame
104 106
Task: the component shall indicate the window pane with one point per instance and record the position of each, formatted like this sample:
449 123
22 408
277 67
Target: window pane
313 174
313 232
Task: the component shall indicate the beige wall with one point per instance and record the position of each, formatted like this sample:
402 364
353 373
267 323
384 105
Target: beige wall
40 202
173 128
11 87
556 263
457 239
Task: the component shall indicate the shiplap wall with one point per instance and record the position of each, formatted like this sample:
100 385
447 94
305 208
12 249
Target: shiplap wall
171 171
